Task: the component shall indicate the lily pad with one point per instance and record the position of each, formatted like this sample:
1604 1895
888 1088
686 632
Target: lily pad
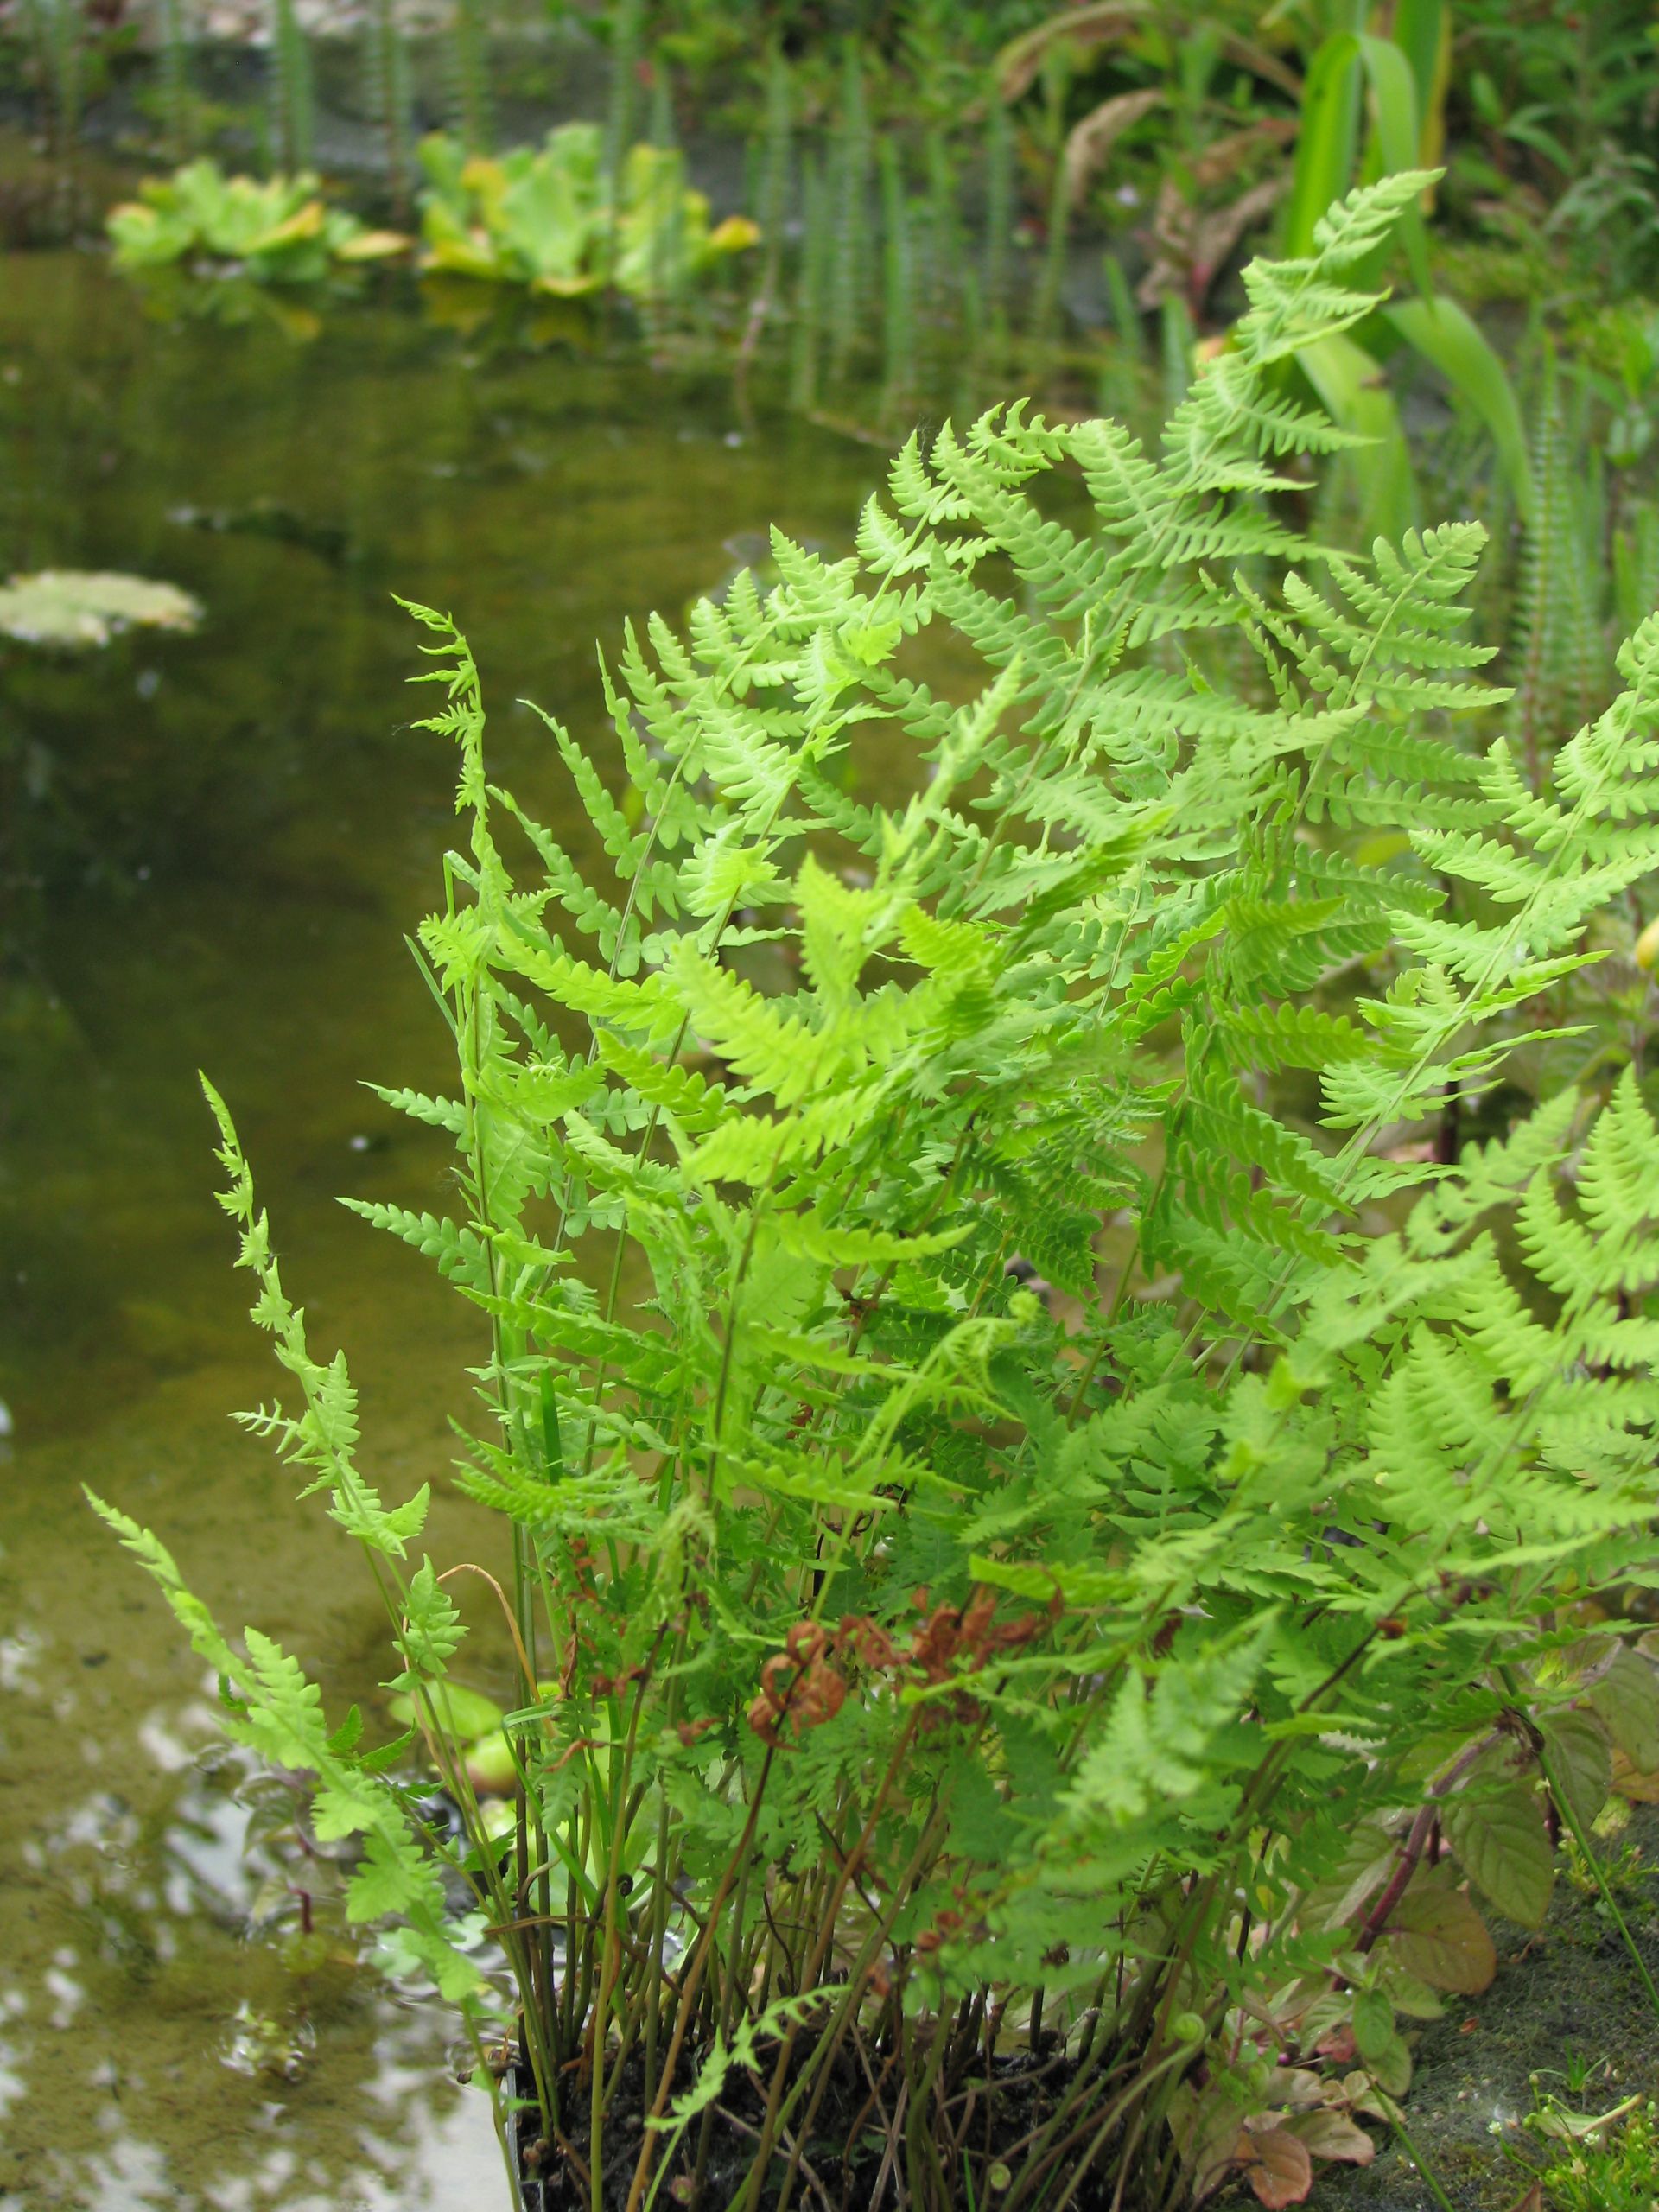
469 1715
78 607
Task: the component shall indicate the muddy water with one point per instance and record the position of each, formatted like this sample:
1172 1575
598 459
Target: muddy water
211 848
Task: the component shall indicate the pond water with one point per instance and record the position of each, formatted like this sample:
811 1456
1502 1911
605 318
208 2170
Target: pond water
211 848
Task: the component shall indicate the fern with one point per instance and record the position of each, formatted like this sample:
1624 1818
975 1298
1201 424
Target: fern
1036 1473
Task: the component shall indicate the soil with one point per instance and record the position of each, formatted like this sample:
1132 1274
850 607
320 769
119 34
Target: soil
848 2152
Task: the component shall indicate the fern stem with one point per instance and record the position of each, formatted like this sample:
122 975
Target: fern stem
815 2072
692 1982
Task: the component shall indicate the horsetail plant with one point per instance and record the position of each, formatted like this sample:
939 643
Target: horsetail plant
1034 1496
388 86
173 64
812 286
849 167
471 105
899 283
626 21
291 92
56 30
999 211
774 180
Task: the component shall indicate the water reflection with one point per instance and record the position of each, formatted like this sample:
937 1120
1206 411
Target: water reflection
161 2048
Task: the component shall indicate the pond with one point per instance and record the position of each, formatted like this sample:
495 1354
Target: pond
212 848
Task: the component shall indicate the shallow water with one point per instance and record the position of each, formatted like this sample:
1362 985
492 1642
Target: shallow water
211 848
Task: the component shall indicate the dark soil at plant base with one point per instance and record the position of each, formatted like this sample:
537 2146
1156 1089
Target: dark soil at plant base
1565 1998
1566 2001
851 2178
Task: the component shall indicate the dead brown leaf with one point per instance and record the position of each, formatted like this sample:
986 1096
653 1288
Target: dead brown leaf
1279 2168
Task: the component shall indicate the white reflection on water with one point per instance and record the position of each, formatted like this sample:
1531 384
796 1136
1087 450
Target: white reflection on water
206 2070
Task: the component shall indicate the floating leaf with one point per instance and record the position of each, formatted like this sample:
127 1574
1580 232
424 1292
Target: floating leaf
491 1767
373 245
735 235
277 230
77 607
545 217
466 1716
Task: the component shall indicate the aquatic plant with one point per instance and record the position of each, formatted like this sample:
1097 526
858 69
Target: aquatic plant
626 27
540 217
291 91
998 212
1058 1538
775 179
848 170
56 32
388 90
1364 101
278 233
470 101
177 101
73 608
811 288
